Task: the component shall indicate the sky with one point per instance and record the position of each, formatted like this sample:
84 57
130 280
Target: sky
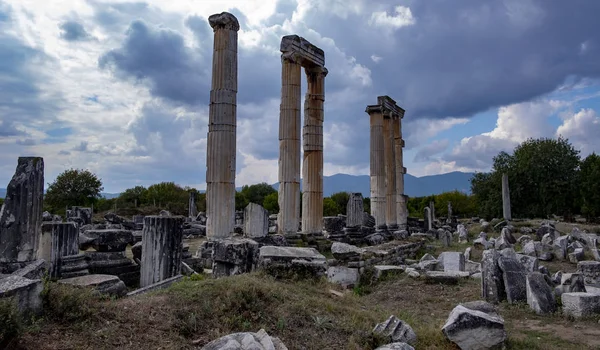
122 88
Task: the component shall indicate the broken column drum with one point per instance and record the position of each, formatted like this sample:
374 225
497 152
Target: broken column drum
109 256
161 248
221 143
21 214
505 198
59 246
297 53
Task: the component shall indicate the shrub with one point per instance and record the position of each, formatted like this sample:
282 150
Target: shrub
10 323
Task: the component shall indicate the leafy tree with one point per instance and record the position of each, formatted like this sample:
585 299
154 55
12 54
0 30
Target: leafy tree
240 201
165 193
590 187
367 204
134 196
73 187
330 207
257 193
271 203
201 201
341 199
487 194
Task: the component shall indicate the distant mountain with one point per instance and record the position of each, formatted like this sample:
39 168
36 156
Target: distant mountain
413 186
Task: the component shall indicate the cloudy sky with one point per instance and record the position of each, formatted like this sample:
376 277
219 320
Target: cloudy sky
122 88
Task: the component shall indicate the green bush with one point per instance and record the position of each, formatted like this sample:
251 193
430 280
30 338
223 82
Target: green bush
10 323
67 304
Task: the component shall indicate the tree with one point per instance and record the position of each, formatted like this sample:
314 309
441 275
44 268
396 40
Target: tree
134 196
257 193
341 199
590 187
73 187
271 203
240 201
330 207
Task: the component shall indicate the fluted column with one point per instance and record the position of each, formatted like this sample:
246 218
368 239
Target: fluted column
377 168
161 248
58 240
221 144
401 209
390 172
289 146
312 138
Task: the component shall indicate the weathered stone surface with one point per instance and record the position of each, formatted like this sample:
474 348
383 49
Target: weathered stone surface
482 243
570 283
375 239
21 213
282 261
468 253
103 284
445 277
106 240
34 270
57 241
159 285
472 266
506 240
396 346
26 292
590 271
452 261
162 249
539 294
343 251
355 210
492 282
514 276
581 304
529 263
463 234
384 271
480 305
576 256
234 257
544 229
524 238
246 341
396 330
256 221
342 275
473 329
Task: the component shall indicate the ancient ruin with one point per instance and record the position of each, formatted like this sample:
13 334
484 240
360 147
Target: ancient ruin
505 198
298 53
221 144
388 202
161 249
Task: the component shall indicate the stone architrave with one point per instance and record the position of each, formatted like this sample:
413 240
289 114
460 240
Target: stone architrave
192 210
355 210
161 248
221 143
256 221
505 198
21 213
391 215
297 52
377 165
60 240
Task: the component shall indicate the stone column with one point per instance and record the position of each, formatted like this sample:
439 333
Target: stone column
221 144
377 166
401 209
192 211
427 219
390 172
449 220
432 209
161 248
59 240
21 214
312 139
289 146
505 198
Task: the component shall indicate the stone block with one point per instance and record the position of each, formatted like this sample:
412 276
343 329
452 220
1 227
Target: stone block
256 221
26 292
103 284
452 261
473 329
35 270
540 297
292 261
254 341
581 304
396 330
492 282
344 276
234 256
162 249
514 276
343 251
590 271
385 271
108 240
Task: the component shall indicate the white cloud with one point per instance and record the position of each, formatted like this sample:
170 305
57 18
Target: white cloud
583 130
376 58
403 17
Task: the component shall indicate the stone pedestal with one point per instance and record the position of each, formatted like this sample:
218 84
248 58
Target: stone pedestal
221 143
256 221
161 249
59 246
21 214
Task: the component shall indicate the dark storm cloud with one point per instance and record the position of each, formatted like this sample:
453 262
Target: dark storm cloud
73 31
460 58
159 57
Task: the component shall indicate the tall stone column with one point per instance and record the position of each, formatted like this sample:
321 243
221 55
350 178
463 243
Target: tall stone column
289 146
377 166
390 172
401 209
161 248
312 139
192 210
21 214
221 144
505 198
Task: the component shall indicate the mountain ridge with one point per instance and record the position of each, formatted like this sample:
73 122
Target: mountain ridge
413 186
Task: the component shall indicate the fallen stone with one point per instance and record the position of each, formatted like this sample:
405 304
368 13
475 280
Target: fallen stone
103 284
580 304
529 263
164 213
156 286
385 271
481 243
445 277
514 277
345 276
468 253
106 240
540 297
473 329
234 256
452 261
35 270
560 246
576 256
492 282
396 330
413 273
396 346
286 261
480 305
571 283
548 239
251 341
590 271
26 292
343 251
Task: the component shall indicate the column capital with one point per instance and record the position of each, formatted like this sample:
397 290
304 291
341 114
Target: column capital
317 70
374 109
224 20
291 56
